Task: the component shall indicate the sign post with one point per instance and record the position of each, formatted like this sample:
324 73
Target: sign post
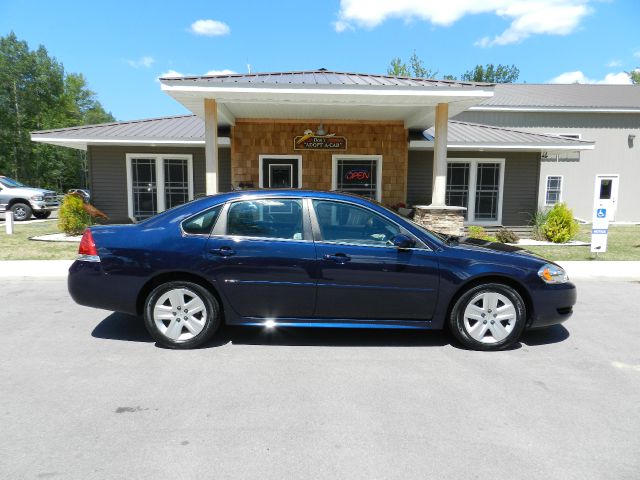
599 231
8 218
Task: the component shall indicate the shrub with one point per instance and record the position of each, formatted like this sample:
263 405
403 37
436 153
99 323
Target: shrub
539 220
476 231
73 219
504 235
560 226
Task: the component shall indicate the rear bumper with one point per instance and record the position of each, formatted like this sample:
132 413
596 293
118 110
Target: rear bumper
90 286
552 304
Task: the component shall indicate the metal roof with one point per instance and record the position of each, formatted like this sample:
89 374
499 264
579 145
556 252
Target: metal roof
320 78
188 130
556 96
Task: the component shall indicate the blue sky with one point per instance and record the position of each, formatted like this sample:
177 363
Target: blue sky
123 46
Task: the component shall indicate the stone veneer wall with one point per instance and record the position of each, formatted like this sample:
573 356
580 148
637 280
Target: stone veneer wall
251 138
449 221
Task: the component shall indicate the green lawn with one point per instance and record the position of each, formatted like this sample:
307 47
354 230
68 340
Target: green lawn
19 247
623 244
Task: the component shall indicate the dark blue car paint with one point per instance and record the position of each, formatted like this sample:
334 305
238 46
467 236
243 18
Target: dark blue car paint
291 281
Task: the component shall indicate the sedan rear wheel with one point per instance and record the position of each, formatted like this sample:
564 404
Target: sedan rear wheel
488 317
181 314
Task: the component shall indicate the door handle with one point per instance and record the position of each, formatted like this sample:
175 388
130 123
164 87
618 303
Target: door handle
223 251
338 257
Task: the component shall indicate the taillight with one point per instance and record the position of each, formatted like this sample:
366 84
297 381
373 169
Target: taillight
87 249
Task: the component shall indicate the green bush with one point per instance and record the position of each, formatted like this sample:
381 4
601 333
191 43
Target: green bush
560 226
504 235
476 231
72 217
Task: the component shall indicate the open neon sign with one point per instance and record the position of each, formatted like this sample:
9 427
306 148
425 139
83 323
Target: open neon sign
357 175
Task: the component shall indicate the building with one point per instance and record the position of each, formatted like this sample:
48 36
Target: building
607 115
385 137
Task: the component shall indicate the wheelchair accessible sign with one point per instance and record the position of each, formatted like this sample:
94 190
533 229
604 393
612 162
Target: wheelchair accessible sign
599 231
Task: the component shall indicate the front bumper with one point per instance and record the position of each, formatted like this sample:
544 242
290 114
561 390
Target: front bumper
552 304
44 206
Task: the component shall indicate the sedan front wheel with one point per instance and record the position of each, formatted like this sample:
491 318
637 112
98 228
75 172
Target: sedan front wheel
181 314
488 317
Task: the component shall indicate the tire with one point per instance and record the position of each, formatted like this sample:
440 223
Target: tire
21 211
486 317
42 215
165 319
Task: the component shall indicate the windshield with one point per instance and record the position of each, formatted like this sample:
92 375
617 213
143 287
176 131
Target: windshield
10 182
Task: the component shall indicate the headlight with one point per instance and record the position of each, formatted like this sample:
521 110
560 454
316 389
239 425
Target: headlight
37 198
550 273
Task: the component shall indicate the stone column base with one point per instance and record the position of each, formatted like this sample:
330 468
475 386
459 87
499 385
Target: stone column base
441 219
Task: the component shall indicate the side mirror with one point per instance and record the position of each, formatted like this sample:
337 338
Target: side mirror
403 241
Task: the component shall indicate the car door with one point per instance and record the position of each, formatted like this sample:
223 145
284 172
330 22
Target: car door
264 258
361 276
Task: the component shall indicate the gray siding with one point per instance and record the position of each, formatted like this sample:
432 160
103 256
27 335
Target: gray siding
521 173
108 175
613 154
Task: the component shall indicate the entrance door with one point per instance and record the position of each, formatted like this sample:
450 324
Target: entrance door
280 171
606 194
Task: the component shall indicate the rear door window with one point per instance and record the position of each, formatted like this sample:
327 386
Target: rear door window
203 222
266 218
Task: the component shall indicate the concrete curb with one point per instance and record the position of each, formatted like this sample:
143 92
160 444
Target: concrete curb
602 270
594 270
34 268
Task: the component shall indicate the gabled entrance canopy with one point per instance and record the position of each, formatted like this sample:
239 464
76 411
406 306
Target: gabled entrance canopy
322 94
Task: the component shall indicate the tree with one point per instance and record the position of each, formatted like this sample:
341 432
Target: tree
36 94
415 69
635 76
492 74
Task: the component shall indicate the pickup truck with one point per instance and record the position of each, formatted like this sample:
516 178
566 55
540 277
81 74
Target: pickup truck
25 201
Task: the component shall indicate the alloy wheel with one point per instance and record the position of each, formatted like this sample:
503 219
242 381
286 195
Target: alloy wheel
180 314
489 317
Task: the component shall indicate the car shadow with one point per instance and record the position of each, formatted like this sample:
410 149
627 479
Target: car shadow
129 328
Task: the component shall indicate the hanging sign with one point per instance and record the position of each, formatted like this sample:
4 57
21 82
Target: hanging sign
313 141
599 230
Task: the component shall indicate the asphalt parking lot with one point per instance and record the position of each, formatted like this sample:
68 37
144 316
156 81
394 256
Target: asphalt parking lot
86 394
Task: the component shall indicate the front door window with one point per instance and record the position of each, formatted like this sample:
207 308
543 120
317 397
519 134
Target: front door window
280 171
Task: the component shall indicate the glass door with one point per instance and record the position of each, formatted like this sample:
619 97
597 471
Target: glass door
606 194
144 187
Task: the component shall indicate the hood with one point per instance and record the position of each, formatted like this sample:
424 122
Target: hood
478 244
29 191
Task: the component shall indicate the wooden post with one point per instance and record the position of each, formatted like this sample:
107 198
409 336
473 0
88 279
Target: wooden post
440 155
211 145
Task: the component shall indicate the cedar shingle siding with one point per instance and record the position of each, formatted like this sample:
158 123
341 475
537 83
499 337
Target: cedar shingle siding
520 181
108 175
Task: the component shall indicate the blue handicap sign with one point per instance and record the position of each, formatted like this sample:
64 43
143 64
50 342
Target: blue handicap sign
601 213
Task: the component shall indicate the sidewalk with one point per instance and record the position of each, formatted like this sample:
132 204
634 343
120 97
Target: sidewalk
595 270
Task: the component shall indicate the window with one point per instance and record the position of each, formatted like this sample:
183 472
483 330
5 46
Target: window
359 174
553 193
157 182
202 223
266 218
572 156
345 223
476 184
280 171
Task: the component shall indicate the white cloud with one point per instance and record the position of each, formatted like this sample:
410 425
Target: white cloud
621 78
210 28
614 63
226 71
550 17
142 62
171 74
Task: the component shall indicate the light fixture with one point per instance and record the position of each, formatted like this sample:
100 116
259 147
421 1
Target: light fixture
630 140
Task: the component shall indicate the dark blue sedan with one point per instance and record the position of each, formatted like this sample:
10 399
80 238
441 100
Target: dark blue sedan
292 258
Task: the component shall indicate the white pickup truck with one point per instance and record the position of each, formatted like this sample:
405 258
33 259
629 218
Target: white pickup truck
25 201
